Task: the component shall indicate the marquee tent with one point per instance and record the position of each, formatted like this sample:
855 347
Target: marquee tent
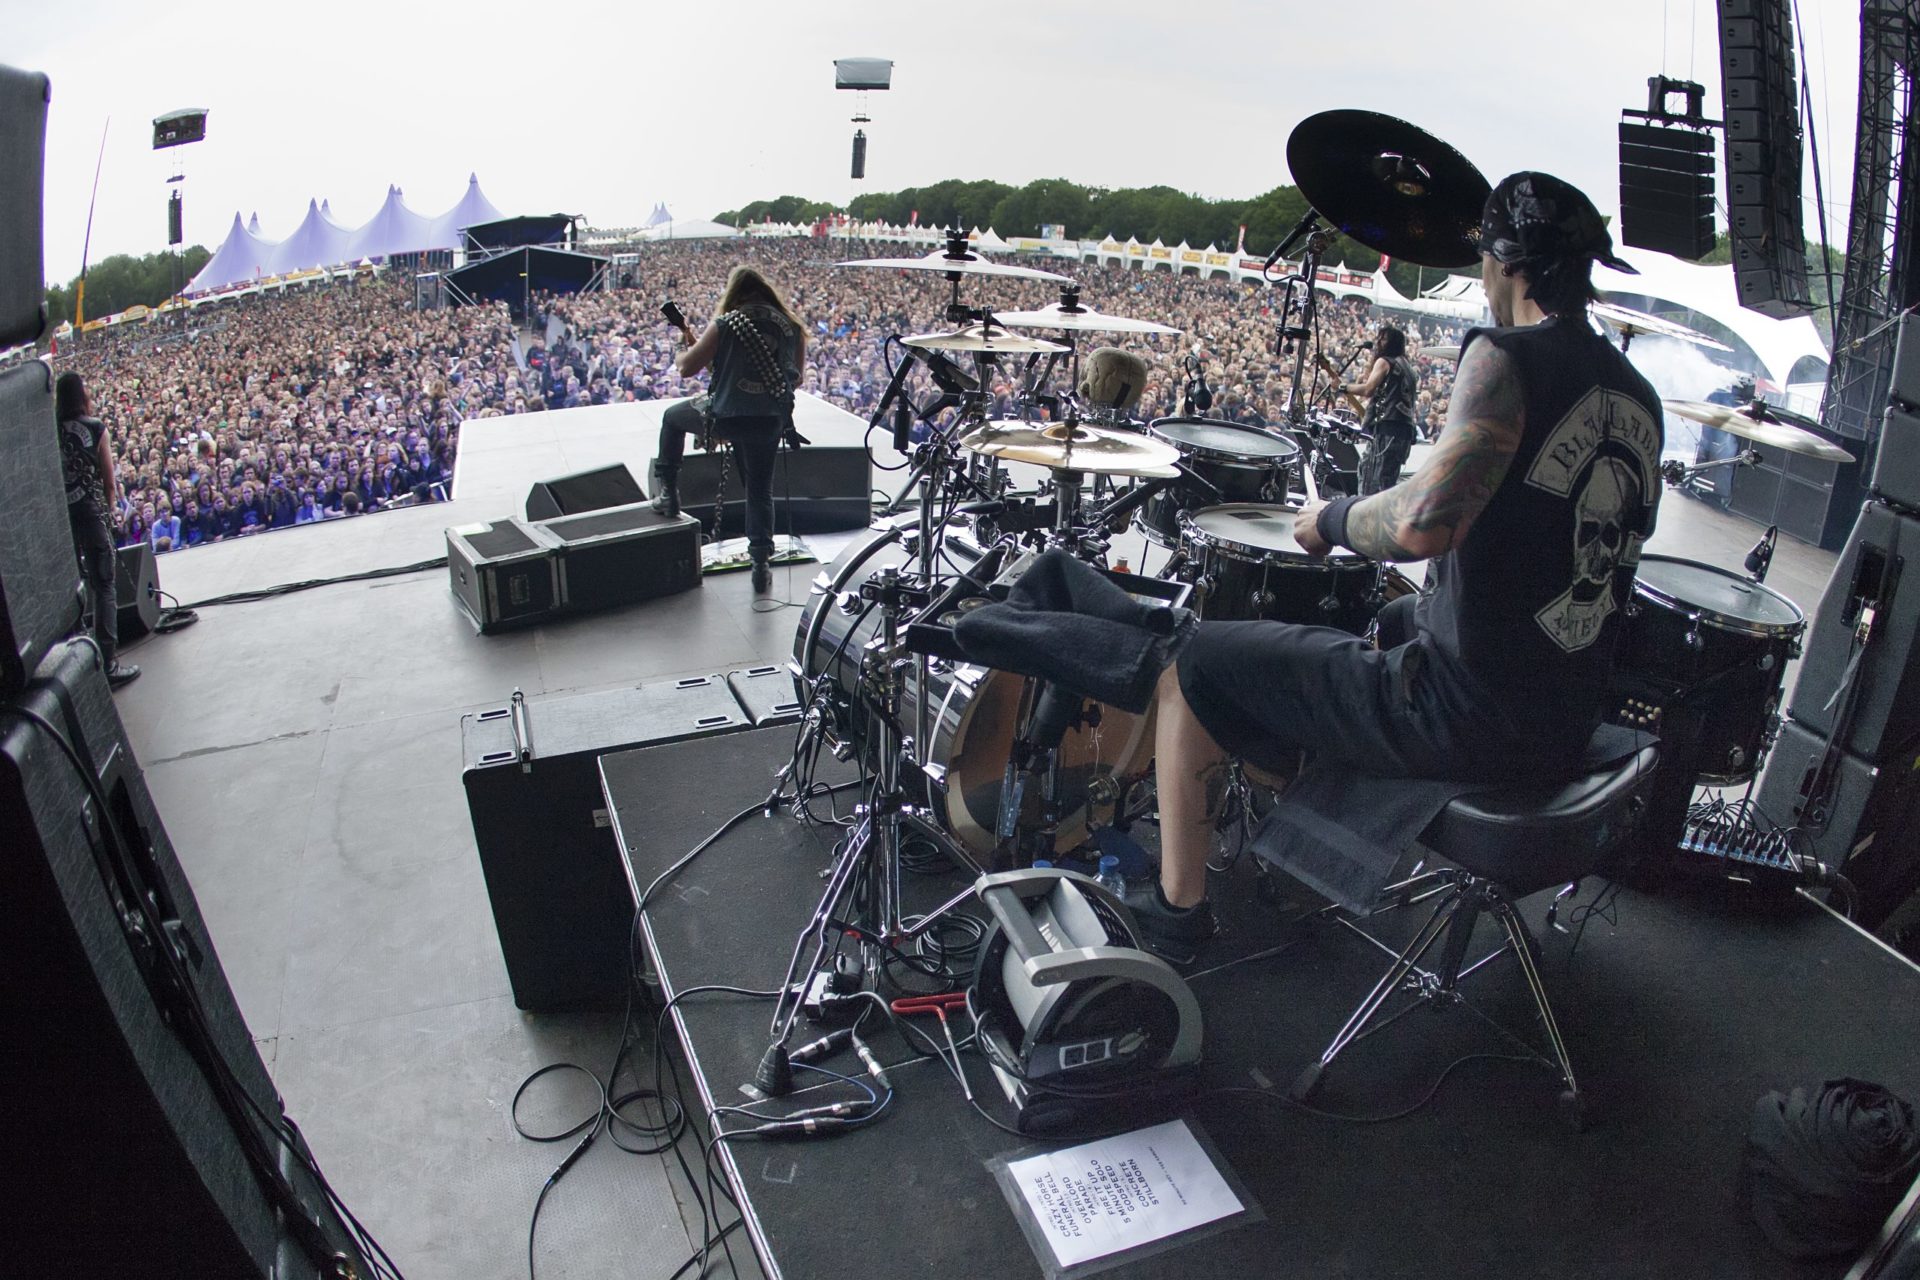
1781 346
240 259
317 242
474 208
394 229
689 229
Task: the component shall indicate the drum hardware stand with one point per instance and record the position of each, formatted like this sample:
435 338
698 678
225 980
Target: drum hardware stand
1295 338
1680 475
869 860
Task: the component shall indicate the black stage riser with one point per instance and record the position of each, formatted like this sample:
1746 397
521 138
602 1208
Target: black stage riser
40 597
560 902
594 490
125 1163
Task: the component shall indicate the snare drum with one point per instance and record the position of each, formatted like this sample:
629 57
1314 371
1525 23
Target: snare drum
974 714
1245 464
1716 643
1252 567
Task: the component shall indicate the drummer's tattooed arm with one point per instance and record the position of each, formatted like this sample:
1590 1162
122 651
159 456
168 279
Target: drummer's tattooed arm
1429 514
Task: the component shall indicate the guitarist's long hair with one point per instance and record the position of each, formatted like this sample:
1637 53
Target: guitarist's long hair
1390 343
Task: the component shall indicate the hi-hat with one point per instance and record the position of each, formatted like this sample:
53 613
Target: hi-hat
1393 187
1078 320
981 339
966 264
1761 424
1071 447
1635 324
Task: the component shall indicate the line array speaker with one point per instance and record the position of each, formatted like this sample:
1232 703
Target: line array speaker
1759 95
594 490
1666 189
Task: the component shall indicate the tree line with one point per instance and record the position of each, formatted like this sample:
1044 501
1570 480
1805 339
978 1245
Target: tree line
122 281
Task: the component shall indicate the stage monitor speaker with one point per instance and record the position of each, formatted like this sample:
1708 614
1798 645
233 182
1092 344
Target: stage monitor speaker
1905 385
1666 189
40 594
23 145
1896 461
1868 825
594 490
1761 106
1884 686
504 574
126 1162
561 907
816 489
623 555
136 587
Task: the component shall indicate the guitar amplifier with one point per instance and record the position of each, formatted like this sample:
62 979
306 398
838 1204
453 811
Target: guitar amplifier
621 555
560 901
504 574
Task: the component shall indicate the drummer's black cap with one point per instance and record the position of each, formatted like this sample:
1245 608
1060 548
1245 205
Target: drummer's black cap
1550 232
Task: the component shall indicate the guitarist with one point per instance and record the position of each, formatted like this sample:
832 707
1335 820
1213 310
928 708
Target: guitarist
1389 386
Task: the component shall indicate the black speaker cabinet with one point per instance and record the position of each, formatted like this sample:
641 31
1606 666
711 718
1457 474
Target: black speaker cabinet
560 902
125 1161
23 143
623 555
1868 827
136 588
1872 572
40 596
1896 460
504 574
612 486
815 489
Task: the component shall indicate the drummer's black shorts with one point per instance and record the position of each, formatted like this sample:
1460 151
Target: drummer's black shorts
1266 691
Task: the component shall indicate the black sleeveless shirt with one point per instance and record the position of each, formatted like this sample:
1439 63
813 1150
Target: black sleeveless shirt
1393 400
1526 611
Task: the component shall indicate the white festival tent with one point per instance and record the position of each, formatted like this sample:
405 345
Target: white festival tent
246 257
689 229
1781 346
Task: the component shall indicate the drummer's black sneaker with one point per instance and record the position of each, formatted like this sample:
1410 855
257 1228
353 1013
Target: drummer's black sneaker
1175 934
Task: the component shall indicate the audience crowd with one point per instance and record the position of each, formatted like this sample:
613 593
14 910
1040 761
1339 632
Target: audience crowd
310 406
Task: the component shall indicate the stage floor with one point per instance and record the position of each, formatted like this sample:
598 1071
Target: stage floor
305 754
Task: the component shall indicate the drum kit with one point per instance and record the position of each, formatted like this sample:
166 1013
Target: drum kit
950 748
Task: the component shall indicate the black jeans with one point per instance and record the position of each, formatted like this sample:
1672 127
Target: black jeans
1380 469
94 541
755 441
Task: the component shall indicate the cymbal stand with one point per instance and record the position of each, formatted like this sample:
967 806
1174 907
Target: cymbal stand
1297 336
867 867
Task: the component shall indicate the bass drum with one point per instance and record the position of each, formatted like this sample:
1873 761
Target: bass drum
974 713
1250 566
1718 643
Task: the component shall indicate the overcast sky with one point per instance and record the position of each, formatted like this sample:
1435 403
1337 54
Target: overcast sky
605 109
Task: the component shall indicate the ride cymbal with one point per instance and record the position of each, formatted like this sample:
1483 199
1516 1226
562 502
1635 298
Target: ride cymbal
1641 324
1081 320
1391 186
968 264
1070 447
981 339
1760 424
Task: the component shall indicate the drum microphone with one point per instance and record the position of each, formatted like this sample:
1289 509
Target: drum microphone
902 423
1761 557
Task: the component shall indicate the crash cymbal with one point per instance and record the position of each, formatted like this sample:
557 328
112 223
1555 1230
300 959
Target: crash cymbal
1070 447
1441 352
1760 424
1393 187
1639 323
1079 320
982 339
967 264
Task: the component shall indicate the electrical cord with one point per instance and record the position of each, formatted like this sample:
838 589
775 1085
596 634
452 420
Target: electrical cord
288 588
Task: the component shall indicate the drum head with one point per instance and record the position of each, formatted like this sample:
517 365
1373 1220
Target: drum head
1721 598
1253 529
1206 436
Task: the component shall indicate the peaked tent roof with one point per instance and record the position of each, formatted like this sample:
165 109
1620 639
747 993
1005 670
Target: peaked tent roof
253 223
395 229
659 215
317 242
1778 344
241 257
473 208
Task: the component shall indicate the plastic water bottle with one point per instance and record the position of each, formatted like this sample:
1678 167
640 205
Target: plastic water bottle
1042 864
1109 876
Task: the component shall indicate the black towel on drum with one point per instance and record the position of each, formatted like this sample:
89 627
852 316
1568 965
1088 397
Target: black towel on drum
1067 623
1343 833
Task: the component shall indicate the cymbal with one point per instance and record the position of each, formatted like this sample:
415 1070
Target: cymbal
1639 323
1069 447
979 338
1442 352
968 264
1761 425
1079 320
1393 187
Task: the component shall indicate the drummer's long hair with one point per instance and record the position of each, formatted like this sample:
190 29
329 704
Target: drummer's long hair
1390 343
746 286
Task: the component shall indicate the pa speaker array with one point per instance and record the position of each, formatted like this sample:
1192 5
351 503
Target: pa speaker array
1761 106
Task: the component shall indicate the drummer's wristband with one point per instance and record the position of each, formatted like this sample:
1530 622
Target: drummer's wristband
1331 523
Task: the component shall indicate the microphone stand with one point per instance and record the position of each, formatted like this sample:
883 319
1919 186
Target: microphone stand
1302 333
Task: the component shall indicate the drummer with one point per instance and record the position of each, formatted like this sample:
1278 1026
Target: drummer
1389 385
1533 506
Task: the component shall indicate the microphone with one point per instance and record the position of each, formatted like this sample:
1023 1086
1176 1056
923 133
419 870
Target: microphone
1761 557
895 385
902 422
1300 229
1199 394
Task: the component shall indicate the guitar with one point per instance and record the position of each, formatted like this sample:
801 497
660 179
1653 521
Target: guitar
1353 402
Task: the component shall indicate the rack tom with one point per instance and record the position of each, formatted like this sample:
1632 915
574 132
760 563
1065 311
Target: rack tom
1250 566
1243 464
